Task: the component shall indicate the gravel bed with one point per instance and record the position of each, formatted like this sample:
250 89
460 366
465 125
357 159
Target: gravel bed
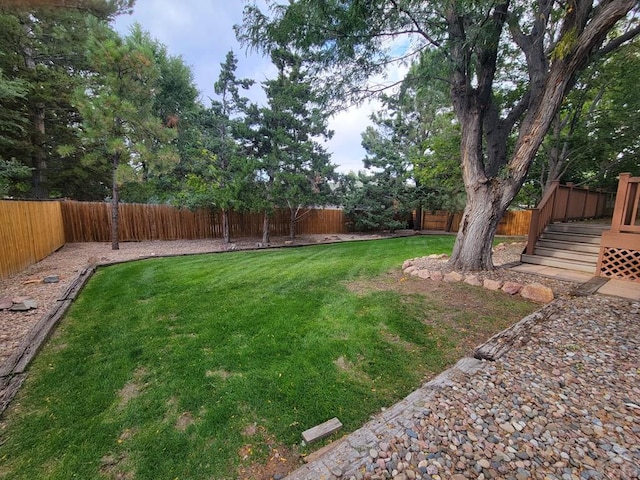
566 406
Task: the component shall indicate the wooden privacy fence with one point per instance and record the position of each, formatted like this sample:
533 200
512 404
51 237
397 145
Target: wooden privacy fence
91 222
29 231
514 223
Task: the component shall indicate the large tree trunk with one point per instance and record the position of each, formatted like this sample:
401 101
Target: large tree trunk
491 178
39 160
115 200
226 235
266 224
473 247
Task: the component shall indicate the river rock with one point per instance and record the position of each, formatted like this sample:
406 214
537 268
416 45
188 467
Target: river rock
537 292
436 276
492 284
511 288
472 280
424 274
453 277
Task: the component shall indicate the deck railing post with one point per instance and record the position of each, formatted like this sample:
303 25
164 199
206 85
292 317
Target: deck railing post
621 202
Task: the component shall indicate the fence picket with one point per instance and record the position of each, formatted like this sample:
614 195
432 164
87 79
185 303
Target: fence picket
29 231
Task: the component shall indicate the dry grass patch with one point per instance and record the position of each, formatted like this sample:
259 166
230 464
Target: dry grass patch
132 388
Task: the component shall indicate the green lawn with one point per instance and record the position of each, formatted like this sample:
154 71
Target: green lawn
191 367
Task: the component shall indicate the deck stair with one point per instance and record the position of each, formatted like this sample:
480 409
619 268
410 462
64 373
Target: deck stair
571 246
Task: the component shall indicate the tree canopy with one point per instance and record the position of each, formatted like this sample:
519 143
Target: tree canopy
509 66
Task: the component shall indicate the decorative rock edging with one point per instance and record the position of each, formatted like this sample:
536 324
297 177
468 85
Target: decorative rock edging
535 291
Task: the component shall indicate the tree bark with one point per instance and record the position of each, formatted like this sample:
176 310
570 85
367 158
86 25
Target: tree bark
417 223
226 235
39 160
266 224
115 200
482 214
292 223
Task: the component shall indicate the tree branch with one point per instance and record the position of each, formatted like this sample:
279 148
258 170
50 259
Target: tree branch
419 29
618 41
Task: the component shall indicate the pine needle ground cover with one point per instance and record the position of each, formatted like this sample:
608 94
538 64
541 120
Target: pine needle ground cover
205 367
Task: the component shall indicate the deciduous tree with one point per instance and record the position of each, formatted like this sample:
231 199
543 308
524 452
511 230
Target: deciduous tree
511 64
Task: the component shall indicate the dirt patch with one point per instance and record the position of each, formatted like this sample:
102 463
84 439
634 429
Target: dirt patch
343 364
132 388
280 459
184 421
115 467
221 373
471 314
396 340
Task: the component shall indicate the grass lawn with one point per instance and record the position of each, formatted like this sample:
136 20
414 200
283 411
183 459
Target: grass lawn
204 367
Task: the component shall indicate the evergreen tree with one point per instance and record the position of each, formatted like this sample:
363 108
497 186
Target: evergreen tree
219 172
293 167
43 48
117 110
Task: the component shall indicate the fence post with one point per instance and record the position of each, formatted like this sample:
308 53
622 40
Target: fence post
586 200
568 207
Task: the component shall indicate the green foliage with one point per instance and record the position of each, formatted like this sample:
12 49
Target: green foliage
596 133
218 169
161 366
14 178
438 169
293 168
43 53
13 121
117 106
376 202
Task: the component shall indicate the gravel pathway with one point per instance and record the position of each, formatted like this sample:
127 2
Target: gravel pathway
563 406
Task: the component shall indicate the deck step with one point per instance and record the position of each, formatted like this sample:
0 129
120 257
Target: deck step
578 227
563 245
571 237
571 246
584 257
558 263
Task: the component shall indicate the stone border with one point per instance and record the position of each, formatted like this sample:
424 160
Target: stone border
535 292
342 458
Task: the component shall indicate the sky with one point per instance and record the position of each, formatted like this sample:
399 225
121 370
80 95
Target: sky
201 32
